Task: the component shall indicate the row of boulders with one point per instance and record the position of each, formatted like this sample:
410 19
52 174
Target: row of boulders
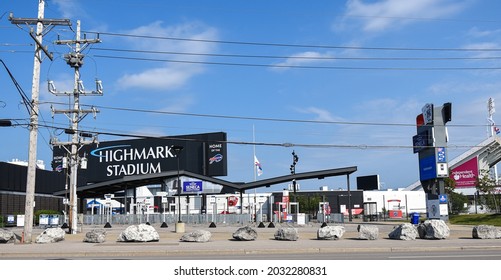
437 229
429 229
49 235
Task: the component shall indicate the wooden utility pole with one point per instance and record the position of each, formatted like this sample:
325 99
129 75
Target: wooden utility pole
75 60
35 90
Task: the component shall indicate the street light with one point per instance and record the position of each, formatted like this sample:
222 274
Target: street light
177 150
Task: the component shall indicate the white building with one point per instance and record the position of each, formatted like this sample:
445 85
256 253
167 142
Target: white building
397 202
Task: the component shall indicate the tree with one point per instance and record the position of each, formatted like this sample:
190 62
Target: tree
456 200
486 185
307 203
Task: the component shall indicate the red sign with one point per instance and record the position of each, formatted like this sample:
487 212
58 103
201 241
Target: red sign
466 174
232 201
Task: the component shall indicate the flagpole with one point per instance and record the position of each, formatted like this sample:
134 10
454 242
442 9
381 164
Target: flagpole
254 166
254 151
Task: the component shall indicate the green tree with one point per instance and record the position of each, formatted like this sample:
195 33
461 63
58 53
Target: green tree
456 200
307 203
486 185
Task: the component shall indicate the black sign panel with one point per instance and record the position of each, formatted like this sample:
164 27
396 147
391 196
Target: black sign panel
423 139
202 154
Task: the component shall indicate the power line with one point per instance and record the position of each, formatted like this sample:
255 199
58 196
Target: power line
294 56
303 66
259 118
273 144
295 45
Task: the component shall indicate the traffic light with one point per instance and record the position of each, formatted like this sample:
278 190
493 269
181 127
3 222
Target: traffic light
295 159
447 112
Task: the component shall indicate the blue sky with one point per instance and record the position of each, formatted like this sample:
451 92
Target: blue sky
341 80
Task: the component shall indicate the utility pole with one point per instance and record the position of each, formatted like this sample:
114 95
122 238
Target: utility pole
75 60
40 22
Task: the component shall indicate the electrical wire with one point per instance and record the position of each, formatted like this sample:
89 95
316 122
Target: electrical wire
286 145
295 45
303 66
24 97
149 111
295 56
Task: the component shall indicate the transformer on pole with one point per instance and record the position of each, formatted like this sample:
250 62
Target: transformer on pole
75 60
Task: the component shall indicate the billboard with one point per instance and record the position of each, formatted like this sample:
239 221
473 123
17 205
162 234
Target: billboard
466 174
368 183
203 154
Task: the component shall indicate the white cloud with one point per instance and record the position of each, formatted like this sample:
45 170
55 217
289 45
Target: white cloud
320 114
169 75
309 58
476 32
382 15
304 58
158 78
68 8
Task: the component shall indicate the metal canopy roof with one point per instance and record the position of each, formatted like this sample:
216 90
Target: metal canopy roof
112 186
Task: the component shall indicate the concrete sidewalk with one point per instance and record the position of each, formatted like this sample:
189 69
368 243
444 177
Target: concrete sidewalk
222 243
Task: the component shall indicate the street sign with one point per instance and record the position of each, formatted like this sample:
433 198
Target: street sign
441 155
442 198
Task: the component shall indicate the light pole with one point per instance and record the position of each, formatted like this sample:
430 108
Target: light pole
179 226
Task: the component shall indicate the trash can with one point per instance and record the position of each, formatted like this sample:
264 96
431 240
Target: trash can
415 218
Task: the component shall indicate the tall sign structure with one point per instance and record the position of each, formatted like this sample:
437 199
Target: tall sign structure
75 60
430 143
43 26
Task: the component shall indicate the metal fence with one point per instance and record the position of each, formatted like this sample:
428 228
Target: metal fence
134 219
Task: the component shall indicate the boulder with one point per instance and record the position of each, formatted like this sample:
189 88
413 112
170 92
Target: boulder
245 234
486 232
330 232
197 236
433 229
7 236
288 234
51 235
368 232
95 236
405 231
139 233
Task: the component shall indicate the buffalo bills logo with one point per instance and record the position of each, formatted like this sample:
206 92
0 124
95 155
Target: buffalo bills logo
216 158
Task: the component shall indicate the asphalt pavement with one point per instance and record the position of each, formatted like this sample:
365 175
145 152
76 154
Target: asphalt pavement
222 242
